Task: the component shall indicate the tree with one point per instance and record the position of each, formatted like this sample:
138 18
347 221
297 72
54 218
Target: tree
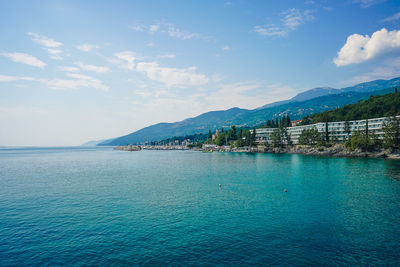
289 122
310 137
357 141
306 121
347 128
276 138
221 139
283 121
233 135
285 136
209 134
253 137
391 128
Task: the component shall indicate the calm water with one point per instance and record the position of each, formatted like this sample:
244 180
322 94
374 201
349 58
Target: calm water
96 206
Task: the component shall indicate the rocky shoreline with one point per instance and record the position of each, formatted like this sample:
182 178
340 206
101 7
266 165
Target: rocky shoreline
338 150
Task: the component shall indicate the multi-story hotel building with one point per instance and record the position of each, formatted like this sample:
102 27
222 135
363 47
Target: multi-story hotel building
336 130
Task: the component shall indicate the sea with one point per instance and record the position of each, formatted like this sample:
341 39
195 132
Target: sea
95 206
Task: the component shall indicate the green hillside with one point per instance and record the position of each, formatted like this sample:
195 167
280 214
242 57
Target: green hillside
241 117
374 107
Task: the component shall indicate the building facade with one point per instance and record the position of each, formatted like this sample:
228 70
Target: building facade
336 130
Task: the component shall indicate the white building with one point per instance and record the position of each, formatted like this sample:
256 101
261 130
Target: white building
336 130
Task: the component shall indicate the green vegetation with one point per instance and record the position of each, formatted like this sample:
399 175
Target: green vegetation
284 122
310 137
196 145
374 107
365 142
193 138
234 137
392 133
235 116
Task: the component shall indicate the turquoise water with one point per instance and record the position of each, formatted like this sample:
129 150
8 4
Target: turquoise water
96 206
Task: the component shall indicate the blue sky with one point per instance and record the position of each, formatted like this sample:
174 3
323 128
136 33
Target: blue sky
73 71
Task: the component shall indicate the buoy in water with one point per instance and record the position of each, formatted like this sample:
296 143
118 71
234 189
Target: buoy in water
285 190
220 185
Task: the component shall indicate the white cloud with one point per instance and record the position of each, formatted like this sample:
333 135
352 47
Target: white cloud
172 77
154 28
359 48
51 46
5 78
68 69
125 60
25 59
170 30
45 41
290 21
392 18
174 32
55 53
167 56
87 47
368 3
137 28
78 81
270 31
142 93
225 48
87 67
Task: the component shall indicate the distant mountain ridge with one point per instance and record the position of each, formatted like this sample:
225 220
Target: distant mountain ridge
305 103
306 95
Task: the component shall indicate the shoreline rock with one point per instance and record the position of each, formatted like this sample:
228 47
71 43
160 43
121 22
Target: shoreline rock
336 151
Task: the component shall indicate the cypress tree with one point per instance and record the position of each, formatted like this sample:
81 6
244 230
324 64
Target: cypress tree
283 121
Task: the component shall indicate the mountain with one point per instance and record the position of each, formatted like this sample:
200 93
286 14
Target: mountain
242 117
309 102
96 142
306 95
321 91
199 124
373 85
316 92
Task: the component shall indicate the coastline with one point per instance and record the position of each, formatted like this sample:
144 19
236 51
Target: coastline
336 151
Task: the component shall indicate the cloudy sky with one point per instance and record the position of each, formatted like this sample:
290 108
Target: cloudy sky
73 71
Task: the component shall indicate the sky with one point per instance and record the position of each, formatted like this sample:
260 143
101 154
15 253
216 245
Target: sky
75 71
